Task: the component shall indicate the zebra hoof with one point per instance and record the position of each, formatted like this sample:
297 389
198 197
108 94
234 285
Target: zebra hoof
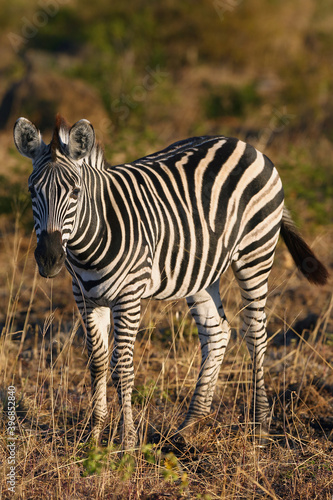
129 442
176 443
188 428
96 436
262 436
157 438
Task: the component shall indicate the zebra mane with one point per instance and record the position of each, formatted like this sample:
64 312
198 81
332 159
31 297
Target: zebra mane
60 136
60 140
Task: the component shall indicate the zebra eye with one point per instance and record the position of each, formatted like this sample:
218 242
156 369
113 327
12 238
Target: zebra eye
75 193
32 191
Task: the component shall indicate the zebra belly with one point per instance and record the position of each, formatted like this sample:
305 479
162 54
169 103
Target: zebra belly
187 279
171 294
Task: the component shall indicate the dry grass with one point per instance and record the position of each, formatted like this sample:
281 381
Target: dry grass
42 354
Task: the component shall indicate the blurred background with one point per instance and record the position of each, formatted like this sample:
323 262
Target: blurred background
150 73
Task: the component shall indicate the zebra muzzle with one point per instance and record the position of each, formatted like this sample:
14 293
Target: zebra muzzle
49 254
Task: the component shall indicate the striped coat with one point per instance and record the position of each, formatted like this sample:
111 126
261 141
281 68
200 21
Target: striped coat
165 226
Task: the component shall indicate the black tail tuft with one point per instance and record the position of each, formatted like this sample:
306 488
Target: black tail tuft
303 256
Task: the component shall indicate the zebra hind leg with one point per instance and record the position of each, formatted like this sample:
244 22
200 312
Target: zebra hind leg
214 333
253 284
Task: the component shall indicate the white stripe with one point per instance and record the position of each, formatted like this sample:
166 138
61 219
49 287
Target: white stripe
225 170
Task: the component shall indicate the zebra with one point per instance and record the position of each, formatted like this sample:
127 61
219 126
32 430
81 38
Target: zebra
165 226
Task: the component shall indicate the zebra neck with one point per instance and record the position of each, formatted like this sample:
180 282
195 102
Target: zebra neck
105 226
90 216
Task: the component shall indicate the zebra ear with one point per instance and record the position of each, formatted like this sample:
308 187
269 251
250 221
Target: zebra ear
27 138
81 139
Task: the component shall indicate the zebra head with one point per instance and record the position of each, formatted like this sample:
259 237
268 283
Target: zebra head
54 185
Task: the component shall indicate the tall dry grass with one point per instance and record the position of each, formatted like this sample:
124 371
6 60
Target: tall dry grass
42 354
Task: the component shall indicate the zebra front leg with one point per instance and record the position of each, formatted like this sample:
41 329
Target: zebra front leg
214 333
97 322
126 317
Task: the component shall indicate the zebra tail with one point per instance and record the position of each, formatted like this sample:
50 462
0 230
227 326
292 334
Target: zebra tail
303 256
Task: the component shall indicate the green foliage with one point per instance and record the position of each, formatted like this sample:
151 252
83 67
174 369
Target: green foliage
15 201
64 32
182 327
170 472
149 453
173 472
125 466
143 393
307 183
114 45
99 459
228 100
95 461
